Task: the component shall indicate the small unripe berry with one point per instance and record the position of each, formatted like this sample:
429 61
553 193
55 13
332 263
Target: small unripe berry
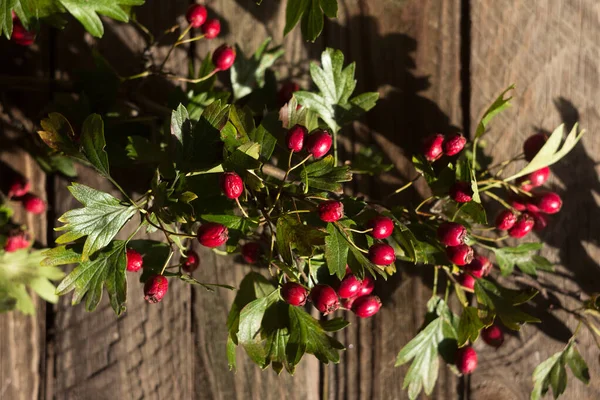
349 287
540 222
191 262
16 241
460 255
366 306
432 147
522 227
287 91
454 144
155 288
368 285
505 220
19 187
196 15
493 335
466 360
318 143
223 57
475 268
382 254
211 28
212 234
534 179
331 211
533 144
548 203
382 227
135 261
232 185
324 298
295 138
251 252
461 192
487 265
294 294
20 35
451 234
33 204
467 281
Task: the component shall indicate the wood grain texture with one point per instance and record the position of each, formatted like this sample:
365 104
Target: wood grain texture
22 337
144 354
553 59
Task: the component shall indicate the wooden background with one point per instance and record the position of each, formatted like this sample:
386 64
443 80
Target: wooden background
437 65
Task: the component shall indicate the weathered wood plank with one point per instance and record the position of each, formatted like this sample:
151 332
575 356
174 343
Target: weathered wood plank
22 338
553 59
144 354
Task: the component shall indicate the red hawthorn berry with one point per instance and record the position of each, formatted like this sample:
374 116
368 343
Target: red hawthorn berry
451 234
251 252
522 227
318 143
382 254
155 288
534 179
382 227
432 147
212 234
135 261
505 220
460 255
454 144
324 298
232 185
294 294
487 265
533 144
331 211
493 336
466 360
16 241
191 262
540 222
347 303
548 202
287 91
467 281
366 306
475 268
368 285
461 192
33 204
223 57
20 187
295 138
196 15
211 28
519 203
20 35
349 287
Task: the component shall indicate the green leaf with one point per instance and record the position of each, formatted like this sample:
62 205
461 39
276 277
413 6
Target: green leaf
93 142
323 175
553 373
369 160
552 151
577 364
522 256
6 23
469 326
330 8
336 251
312 21
293 234
87 12
471 212
336 84
58 134
101 218
334 325
247 74
497 106
265 135
293 12
494 300
107 268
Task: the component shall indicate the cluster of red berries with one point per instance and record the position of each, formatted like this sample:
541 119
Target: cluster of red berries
529 212
466 357
19 191
352 294
317 143
434 146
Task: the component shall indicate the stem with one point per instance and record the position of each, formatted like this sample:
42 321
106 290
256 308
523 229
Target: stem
167 261
435 281
289 168
198 80
499 200
237 200
347 237
489 239
136 76
335 148
357 231
427 200
166 231
185 32
195 38
409 184
447 291
123 192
